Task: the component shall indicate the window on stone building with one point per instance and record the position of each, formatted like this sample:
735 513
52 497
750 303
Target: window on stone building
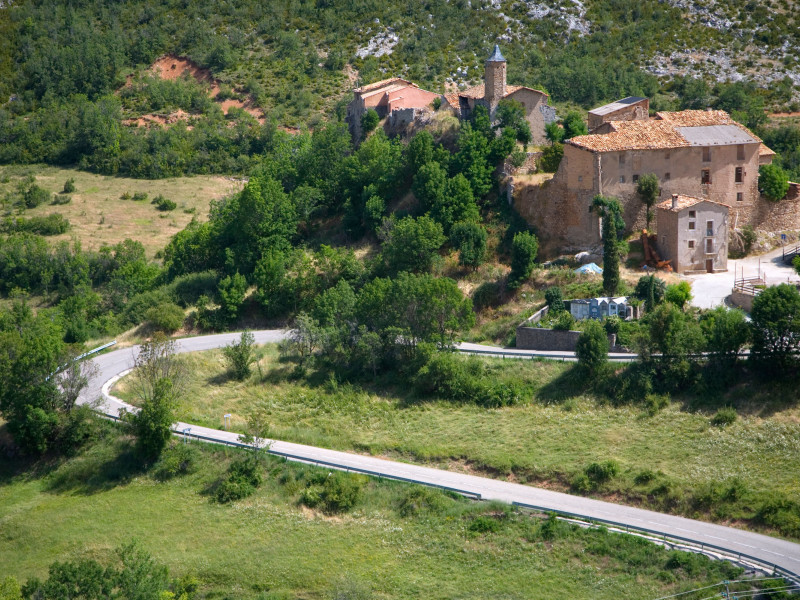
709 246
622 178
740 152
739 177
621 160
705 176
635 178
691 224
691 243
739 196
692 214
666 155
709 227
666 176
706 154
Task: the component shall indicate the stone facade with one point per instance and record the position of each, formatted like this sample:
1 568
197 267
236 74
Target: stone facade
632 108
555 340
693 234
704 154
494 79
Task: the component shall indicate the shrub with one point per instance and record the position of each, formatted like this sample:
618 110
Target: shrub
244 476
679 293
487 294
166 317
34 195
69 186
555 299
484 524
421 499
602 472
523 256
369 121
179 459
564 322
240 356
54 224
650 290
644 477
773 182
782 514
724 416
551 157
139 196
592 348
187 289
339 492
164 204
470 241
61 200
125 196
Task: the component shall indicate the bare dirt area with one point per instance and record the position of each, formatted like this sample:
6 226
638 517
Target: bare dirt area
170 67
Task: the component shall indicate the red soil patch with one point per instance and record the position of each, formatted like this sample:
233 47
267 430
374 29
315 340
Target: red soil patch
170 67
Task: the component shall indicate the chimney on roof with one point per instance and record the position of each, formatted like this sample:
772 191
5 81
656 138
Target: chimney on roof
674 201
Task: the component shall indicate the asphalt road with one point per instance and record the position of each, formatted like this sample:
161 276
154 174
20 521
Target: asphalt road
771 550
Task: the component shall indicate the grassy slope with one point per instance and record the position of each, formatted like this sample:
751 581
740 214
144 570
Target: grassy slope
97 215
547 440
270 543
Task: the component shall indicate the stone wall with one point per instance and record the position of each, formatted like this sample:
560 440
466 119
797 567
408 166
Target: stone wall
779 216
554 340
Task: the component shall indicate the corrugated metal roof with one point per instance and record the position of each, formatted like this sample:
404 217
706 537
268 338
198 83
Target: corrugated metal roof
614 106
716 135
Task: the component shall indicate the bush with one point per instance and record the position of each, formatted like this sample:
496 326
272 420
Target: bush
163 203
564 321
369 121
724 416
61 200
187 289
484 524
244 476
679 293
487 294
69 186
650 290
592 348
139 196
240 355
644 477
773 182
555 299
339 492
420 499
166 317
54 224
523 256
782 514
470 241
34 195
551 158
602 472
179 459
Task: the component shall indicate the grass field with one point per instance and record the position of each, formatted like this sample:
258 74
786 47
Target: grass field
98 216
546 441
270 546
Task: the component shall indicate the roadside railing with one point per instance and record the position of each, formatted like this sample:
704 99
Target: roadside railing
750 285
790 253
675 540
542 355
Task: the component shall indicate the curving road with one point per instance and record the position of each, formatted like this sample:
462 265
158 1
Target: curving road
774 551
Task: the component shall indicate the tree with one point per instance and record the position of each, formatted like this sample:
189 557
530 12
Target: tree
796 264
773 182
456 204
469 239
726 332
613 226
232 290
429 185
670 338
574 125
369 121
554 299
472 159
511 115
152 424
592 347
412 245
650 290
524 248
240 356
166 317
551 157
679 293
649 191
554 132
776 329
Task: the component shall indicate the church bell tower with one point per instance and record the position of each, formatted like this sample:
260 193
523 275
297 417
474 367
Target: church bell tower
494 79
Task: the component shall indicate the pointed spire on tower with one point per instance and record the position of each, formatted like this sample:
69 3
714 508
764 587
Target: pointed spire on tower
496 55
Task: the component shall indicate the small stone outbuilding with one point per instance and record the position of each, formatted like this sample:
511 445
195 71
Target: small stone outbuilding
693 234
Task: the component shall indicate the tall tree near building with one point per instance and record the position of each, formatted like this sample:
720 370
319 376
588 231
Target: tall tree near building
648 190
523 256
776 330
613 226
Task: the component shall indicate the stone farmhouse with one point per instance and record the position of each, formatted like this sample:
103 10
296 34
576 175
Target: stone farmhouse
703 154
494 89
693 234
402 102
631 108
396 98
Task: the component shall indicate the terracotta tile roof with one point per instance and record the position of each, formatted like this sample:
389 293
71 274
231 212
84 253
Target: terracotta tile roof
379 84
764 151
452 99
696 118
477 92
685 202
633 135
665 131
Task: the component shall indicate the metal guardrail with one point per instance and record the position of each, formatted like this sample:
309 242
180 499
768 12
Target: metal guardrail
690 544
788 256
741 557
314 461
542 355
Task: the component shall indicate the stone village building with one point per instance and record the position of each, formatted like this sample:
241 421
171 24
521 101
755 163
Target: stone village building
693 234
494 89
402 102
704 154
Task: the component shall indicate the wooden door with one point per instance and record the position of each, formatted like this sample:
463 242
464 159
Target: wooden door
710 265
